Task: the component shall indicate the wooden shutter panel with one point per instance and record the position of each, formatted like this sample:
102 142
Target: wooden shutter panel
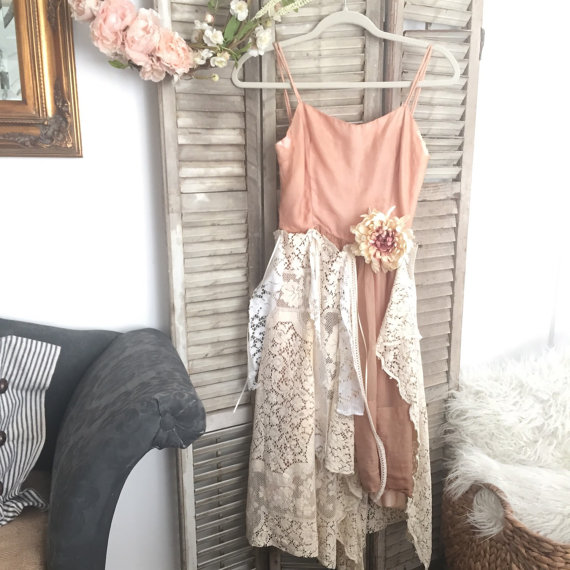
220 482
213 222
446 120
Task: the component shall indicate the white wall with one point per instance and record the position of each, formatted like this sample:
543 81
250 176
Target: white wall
518 273
83 245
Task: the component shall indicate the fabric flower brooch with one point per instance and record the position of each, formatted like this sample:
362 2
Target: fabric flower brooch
382 240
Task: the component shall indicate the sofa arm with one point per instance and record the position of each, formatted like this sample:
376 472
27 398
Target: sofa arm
135 397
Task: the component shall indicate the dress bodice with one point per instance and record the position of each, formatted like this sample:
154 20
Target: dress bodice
332 171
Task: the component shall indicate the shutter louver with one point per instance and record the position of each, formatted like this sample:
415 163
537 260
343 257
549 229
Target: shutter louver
220 483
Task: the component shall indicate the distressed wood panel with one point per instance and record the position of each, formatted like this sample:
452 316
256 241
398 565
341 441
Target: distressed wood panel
437 15
433 304
434 342
433 291
438 191
220 465
214 213
443 116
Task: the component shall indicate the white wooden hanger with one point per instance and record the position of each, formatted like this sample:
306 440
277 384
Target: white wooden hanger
346 16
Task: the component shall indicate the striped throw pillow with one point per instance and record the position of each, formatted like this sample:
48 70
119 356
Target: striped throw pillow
26 369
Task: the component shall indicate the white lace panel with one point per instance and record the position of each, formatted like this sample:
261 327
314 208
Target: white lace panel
303 495
307 271
261 304
300 455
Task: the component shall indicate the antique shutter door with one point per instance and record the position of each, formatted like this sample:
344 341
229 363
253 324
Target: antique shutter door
213 225
221 195
446 118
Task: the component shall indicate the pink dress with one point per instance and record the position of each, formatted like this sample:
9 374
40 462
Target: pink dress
340 425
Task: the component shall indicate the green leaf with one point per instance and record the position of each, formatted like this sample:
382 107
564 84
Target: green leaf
213 5
244 49
231 29
118 64
246 28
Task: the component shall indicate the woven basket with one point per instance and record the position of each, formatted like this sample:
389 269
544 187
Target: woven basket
514 548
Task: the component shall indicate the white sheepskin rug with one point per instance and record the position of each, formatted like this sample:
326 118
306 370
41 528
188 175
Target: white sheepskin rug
509 425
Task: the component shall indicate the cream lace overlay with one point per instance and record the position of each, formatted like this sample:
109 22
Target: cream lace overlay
303 495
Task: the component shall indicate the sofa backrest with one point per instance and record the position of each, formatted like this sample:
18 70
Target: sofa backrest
79 349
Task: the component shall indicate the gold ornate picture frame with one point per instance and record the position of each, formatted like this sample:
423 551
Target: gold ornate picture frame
38 95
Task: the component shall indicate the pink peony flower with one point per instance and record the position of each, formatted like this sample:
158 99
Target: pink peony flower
384 240
108 27
174 54
152 71
142 36
84 10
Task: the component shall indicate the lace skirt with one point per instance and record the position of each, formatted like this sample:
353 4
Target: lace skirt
303 494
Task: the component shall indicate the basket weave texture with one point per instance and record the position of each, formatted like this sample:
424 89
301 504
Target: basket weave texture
514 548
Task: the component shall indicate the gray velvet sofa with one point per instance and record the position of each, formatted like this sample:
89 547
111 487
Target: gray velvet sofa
113 397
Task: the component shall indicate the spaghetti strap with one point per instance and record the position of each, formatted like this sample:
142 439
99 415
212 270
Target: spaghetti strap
414 93
283 66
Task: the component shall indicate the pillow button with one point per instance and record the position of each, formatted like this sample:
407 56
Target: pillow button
2 438
3 385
